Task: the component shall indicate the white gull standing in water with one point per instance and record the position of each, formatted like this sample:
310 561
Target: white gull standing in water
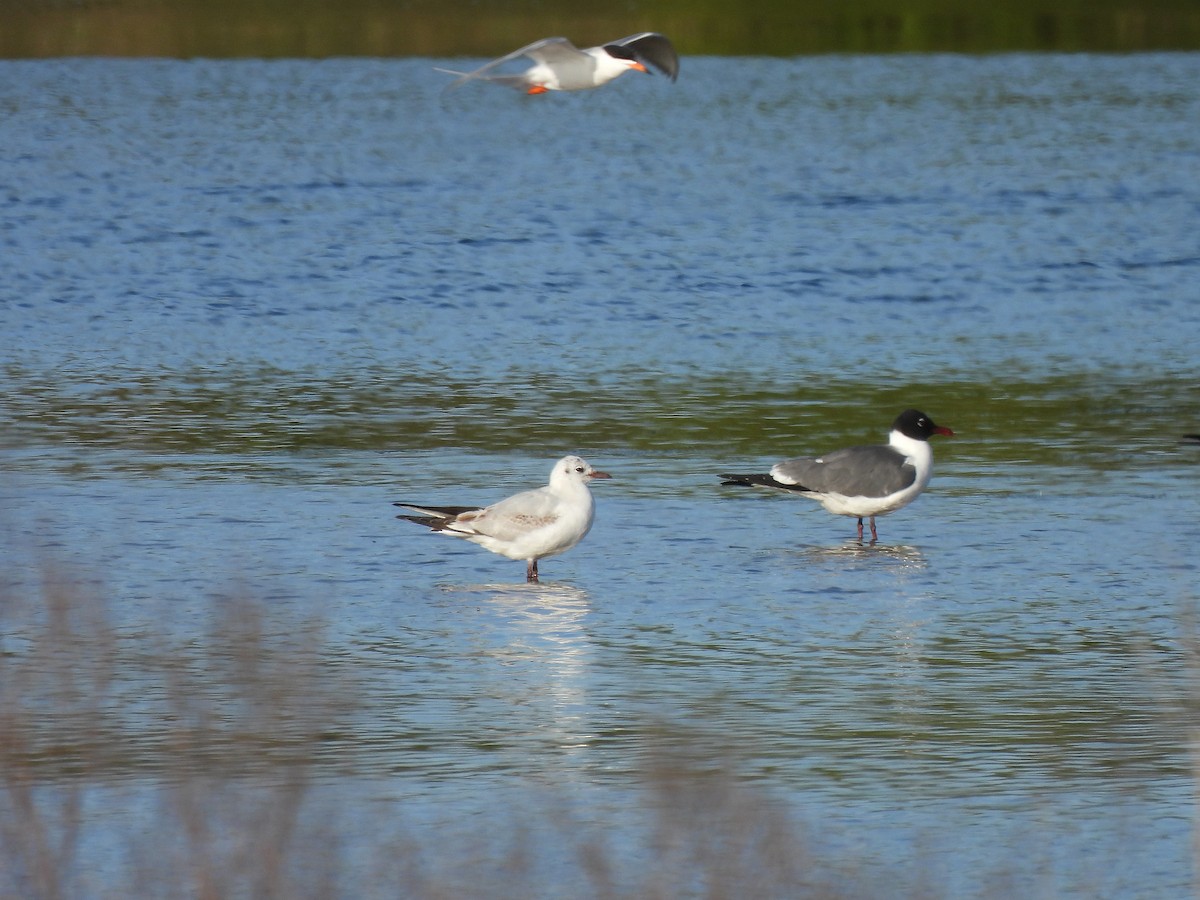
530 525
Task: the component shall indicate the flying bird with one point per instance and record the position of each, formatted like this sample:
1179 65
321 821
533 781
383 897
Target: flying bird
861 481
561 66
531 525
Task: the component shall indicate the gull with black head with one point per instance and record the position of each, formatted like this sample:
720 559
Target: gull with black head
865 481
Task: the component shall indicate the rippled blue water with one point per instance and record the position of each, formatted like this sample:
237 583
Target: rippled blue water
227 283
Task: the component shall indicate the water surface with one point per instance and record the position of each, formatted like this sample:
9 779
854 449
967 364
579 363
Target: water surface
249 304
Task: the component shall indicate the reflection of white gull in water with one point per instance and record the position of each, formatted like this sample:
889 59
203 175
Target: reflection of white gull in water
531 525
561 66
565 599
552 613
537 633
861 481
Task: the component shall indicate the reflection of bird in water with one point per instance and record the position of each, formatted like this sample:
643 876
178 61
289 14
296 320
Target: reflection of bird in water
861 481
548 609
517 596
539 632
556 610
531 525
561 66
901 556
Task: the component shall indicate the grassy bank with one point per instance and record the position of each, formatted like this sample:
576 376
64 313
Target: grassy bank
321 28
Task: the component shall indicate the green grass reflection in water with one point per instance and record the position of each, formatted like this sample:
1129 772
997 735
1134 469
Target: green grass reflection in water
1071 420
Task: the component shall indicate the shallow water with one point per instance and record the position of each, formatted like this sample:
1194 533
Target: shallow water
247 305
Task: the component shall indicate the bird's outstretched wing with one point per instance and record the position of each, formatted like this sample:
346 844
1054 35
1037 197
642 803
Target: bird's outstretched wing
550 50
650 49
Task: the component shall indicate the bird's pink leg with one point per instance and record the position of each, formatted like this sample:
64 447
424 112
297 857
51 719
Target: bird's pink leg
874 533
531 572
860 528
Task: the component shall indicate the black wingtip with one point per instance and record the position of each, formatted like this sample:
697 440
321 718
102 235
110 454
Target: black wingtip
650 49
749 480
428 521
767 481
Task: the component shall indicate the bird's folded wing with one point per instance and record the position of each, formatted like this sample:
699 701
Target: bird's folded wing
852 472
512 517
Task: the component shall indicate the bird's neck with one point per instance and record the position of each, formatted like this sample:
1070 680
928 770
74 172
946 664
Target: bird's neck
568 487
607 67
917 452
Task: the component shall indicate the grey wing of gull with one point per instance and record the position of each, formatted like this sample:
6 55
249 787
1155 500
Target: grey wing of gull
516 516
554 52
545 50
653 49
854 472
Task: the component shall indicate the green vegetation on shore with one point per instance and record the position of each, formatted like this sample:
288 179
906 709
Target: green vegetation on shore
321 28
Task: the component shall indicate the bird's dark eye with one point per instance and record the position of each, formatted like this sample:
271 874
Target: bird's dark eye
579 468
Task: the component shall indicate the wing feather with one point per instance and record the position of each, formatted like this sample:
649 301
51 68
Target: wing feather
651 49
552 48
875 471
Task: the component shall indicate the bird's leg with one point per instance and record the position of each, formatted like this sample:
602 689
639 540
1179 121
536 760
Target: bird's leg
531 573
860 529
874 533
